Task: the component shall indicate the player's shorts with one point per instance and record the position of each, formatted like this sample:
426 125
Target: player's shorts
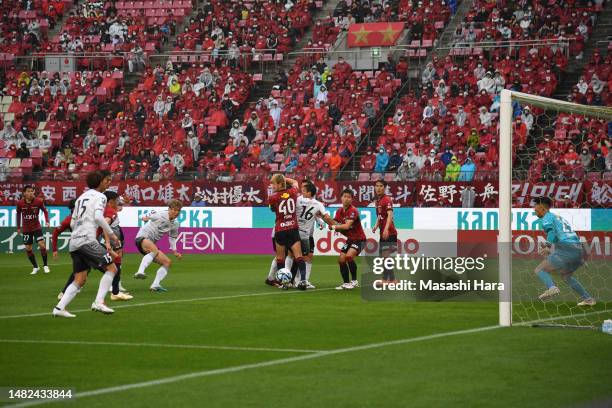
92 255
114 245
30 237
139 245
308 246
356 245
389 245
567 257
287 238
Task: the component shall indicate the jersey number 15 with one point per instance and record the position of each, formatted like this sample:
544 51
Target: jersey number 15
80 208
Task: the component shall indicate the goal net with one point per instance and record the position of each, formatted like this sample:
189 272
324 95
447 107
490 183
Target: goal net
556 149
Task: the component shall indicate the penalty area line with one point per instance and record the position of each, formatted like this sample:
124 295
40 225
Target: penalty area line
157 345
164 302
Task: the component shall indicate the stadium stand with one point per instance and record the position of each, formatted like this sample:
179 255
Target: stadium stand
188 110
453 113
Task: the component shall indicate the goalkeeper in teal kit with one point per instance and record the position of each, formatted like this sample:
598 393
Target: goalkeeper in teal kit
565 254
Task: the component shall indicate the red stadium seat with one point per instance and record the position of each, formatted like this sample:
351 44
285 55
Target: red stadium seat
594 176
36 156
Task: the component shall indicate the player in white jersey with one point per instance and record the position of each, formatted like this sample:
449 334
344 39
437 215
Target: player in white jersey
157 224
85 250
309 211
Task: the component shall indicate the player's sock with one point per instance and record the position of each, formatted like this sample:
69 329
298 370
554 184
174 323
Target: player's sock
280 264
308 270
294 270
301 266
70 280
32 258
146 261
43 253
105 284
546 278
116 280
273 270
159 276
69 293
289 262
344 271
577 287
352 266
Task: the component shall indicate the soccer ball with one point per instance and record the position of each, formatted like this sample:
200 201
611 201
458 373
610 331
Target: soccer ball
284 275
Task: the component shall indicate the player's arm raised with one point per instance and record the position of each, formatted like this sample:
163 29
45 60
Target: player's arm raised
291 182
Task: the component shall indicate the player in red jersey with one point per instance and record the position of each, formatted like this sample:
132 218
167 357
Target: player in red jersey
114 204
286 233
28 223
348 223
384 223
64 226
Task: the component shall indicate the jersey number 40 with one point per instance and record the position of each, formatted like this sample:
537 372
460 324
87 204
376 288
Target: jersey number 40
287 207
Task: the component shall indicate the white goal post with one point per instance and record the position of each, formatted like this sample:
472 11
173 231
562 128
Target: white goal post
505 178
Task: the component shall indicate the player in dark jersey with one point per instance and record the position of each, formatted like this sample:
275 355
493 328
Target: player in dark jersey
28 223
348 223
384 223
286 233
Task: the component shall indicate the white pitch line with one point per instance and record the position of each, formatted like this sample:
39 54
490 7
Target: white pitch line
163 302
209 373
28 267
155 345
552 319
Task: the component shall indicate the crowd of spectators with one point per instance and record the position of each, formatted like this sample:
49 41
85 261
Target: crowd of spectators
317 115
451 122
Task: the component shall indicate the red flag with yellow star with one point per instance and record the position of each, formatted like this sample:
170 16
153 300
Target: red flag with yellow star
374 34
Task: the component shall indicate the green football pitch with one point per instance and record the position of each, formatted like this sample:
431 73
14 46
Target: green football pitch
221 338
